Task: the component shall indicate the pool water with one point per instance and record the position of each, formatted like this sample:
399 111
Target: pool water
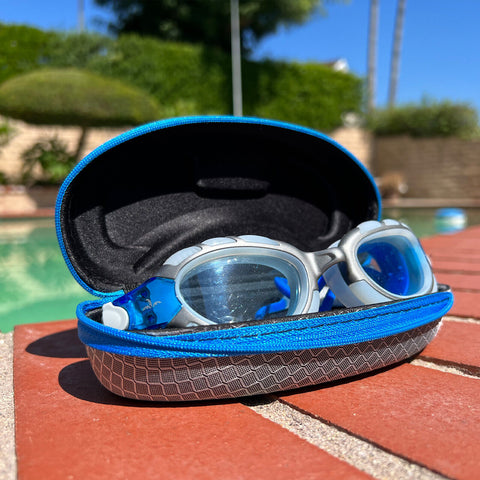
36 285
422 220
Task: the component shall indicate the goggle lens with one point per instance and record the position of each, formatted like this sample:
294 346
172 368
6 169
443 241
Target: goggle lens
395 263
238 288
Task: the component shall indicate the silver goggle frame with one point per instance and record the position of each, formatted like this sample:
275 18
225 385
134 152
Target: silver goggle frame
352 289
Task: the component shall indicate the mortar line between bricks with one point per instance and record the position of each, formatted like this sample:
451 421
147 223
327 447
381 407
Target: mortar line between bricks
459 271
471 320
355 451
443 366
466 290
439 258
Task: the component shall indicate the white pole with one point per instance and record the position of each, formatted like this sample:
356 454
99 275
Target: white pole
236 59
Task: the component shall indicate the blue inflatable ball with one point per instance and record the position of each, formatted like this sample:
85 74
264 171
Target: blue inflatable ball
450 220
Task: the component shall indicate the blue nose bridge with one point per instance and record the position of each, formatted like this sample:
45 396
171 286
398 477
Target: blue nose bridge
152 304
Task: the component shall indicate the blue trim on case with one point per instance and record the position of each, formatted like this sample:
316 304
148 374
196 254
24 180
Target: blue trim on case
158 125
302 334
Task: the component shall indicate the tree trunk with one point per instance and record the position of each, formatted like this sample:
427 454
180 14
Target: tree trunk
81 143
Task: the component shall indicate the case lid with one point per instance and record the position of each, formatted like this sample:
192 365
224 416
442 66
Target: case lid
156 189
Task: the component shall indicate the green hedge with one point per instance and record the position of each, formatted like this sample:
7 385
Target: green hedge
429 119
171 72
308 94
192 79
74 97
22 49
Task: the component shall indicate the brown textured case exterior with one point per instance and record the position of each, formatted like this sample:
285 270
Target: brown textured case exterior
191 379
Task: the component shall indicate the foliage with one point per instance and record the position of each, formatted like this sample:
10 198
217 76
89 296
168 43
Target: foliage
75 49
194 79
51 158
74 97
171 72
23 49
6 132
428 119
191 79
308 94
4 180
206 21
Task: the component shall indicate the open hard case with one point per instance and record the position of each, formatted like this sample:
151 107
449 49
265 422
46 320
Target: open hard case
156 189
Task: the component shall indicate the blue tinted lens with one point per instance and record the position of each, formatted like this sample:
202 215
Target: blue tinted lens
395 263
240 288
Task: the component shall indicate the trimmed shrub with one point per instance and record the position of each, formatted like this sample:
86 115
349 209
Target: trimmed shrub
73 97
428 119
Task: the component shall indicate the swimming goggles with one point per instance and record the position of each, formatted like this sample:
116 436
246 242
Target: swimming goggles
235 279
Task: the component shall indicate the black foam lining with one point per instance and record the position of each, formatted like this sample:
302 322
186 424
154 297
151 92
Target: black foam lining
141 201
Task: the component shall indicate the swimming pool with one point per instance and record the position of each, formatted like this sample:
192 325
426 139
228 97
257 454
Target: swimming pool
422 220
36 285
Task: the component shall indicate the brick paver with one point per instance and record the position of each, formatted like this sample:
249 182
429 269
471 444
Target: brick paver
463 242
456 262
69 426
428 416
466 304
458 345
460 281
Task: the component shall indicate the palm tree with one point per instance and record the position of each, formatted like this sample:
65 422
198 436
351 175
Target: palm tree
372 55
397 45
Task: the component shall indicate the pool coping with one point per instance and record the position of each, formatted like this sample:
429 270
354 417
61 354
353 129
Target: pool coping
405 202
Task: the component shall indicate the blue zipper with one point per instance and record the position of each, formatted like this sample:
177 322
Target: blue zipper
303 334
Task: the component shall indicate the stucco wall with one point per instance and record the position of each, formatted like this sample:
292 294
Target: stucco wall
357 141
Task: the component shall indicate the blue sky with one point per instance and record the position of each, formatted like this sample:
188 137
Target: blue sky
440 51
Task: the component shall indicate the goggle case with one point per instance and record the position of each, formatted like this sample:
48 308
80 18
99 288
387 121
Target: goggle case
156 189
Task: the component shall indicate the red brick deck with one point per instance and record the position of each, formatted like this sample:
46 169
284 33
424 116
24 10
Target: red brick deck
424 414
